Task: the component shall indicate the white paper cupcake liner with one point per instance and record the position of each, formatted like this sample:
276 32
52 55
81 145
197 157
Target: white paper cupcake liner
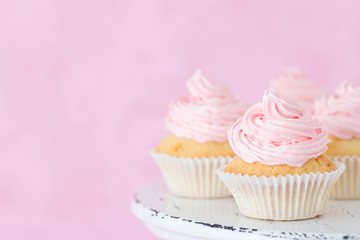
192 177
348 186
283 197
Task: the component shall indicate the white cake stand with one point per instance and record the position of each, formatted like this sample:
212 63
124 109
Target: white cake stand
175 218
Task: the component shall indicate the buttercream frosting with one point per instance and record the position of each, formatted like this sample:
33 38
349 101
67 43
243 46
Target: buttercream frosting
207 113
340 112
293 85
276 132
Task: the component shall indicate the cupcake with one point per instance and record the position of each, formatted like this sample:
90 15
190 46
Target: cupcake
340 115
281 171
197 144
295 86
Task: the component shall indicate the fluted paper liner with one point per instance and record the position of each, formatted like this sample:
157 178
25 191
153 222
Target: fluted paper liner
290 197
192 177
348 186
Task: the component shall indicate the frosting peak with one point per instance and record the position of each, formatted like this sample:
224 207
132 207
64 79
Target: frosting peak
294 85
206 114
277 109
346 89
276 132
340 112
200 87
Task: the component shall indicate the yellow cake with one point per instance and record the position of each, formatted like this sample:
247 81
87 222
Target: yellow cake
343 147
320 164
185 147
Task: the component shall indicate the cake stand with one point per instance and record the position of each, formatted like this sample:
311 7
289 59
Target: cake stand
174 218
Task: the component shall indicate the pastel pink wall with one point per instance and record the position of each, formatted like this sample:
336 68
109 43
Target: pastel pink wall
84 88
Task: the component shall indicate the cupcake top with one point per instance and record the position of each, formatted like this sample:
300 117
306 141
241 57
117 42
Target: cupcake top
340 112
276 132
206 114
294 85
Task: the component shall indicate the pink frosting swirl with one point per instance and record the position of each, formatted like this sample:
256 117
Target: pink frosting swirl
293 85
207 114
276 132
340 112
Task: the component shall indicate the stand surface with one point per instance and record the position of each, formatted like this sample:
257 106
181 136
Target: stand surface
175 218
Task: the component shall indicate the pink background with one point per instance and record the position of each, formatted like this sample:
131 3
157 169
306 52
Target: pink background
84 88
